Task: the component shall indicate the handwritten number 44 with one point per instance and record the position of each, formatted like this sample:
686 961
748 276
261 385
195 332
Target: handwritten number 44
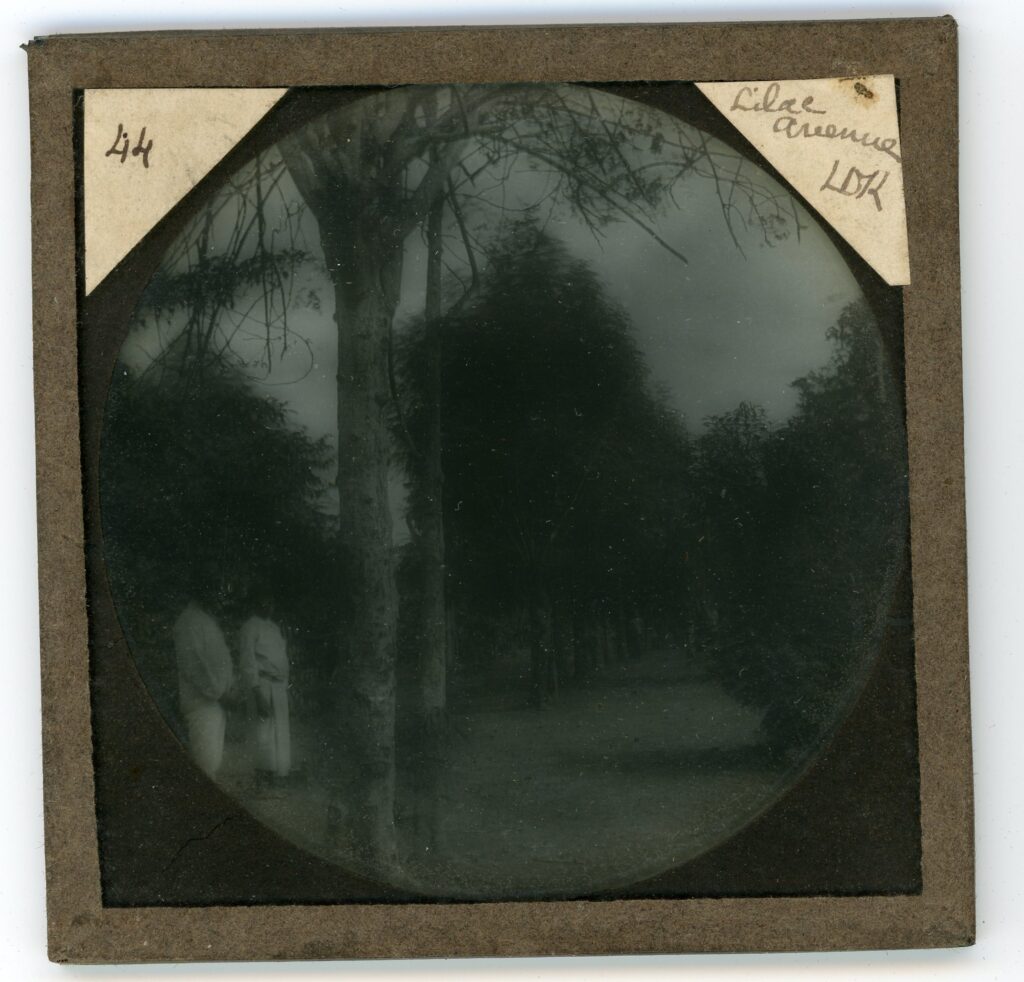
122 142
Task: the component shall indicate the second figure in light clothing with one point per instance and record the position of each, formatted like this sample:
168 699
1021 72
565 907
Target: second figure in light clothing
263 669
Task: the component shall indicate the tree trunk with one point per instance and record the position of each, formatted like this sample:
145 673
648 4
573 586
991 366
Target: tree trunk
564 641
434 663
366 277
584 643
433 655
543 664
625 649
607 640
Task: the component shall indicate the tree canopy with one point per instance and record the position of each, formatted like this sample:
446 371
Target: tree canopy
209 481
564 472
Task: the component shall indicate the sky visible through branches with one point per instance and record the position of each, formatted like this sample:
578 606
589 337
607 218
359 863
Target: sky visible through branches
728 326
742 318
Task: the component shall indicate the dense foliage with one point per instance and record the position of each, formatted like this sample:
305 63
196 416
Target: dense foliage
209 486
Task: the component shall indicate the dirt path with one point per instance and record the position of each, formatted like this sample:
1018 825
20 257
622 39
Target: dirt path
621 779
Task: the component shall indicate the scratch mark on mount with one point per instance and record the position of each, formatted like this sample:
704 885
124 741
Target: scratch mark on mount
197 838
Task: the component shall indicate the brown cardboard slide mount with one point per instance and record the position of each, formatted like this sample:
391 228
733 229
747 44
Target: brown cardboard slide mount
711 910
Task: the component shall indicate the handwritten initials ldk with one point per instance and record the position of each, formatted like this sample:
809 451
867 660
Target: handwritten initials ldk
858 183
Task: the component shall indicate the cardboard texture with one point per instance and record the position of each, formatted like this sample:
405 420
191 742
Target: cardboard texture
921 55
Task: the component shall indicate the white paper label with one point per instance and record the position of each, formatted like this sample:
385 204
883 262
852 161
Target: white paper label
837 142
144 150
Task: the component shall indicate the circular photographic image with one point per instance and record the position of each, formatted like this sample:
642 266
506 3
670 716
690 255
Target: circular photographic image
503 488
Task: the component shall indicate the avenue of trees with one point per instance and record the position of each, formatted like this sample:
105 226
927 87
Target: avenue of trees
372 174
554 497
565 476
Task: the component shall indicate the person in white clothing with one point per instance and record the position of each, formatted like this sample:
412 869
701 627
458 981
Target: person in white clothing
205 676
263 667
